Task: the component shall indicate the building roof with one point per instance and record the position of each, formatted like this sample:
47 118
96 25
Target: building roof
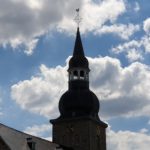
17 140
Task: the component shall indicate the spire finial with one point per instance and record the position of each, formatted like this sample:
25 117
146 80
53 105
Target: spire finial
78 18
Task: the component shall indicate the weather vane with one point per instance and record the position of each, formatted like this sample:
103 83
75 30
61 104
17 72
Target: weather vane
78 19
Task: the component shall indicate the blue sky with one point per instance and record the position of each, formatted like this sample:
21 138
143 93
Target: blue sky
36 39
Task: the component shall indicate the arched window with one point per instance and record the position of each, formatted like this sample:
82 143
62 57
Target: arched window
75 75
82 75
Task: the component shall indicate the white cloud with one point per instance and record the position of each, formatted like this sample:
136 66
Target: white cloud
135 49
122 91
134 55
24 21
146 43
144 130
41 93
31 46
146 25
39 130
139 47
95 15
127 140
133 44
136 7
122 30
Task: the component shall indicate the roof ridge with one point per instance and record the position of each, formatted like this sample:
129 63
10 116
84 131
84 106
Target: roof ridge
25 133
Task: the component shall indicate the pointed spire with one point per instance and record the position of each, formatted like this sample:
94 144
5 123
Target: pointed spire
78 48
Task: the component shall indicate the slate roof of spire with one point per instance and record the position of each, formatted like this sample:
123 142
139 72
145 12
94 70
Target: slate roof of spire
78 59
78 48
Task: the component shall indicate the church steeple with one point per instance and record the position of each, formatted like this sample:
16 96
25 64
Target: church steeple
79 125
78 64
79 101
78 48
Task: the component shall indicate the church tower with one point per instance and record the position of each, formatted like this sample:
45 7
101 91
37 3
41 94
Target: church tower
79 126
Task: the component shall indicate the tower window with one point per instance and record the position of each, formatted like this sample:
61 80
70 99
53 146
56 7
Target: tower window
78 75
82 75
75 75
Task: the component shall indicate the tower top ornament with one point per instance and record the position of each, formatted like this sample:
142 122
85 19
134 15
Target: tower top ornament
77 18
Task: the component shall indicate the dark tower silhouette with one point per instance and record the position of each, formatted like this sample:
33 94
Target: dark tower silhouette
79 126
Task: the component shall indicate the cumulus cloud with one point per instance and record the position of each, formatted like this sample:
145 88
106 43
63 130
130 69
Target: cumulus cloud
39 130
22 22
122 30
135 49
133 55
146 25
99 13
127 46
144 130
123 91
127 140
41 93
